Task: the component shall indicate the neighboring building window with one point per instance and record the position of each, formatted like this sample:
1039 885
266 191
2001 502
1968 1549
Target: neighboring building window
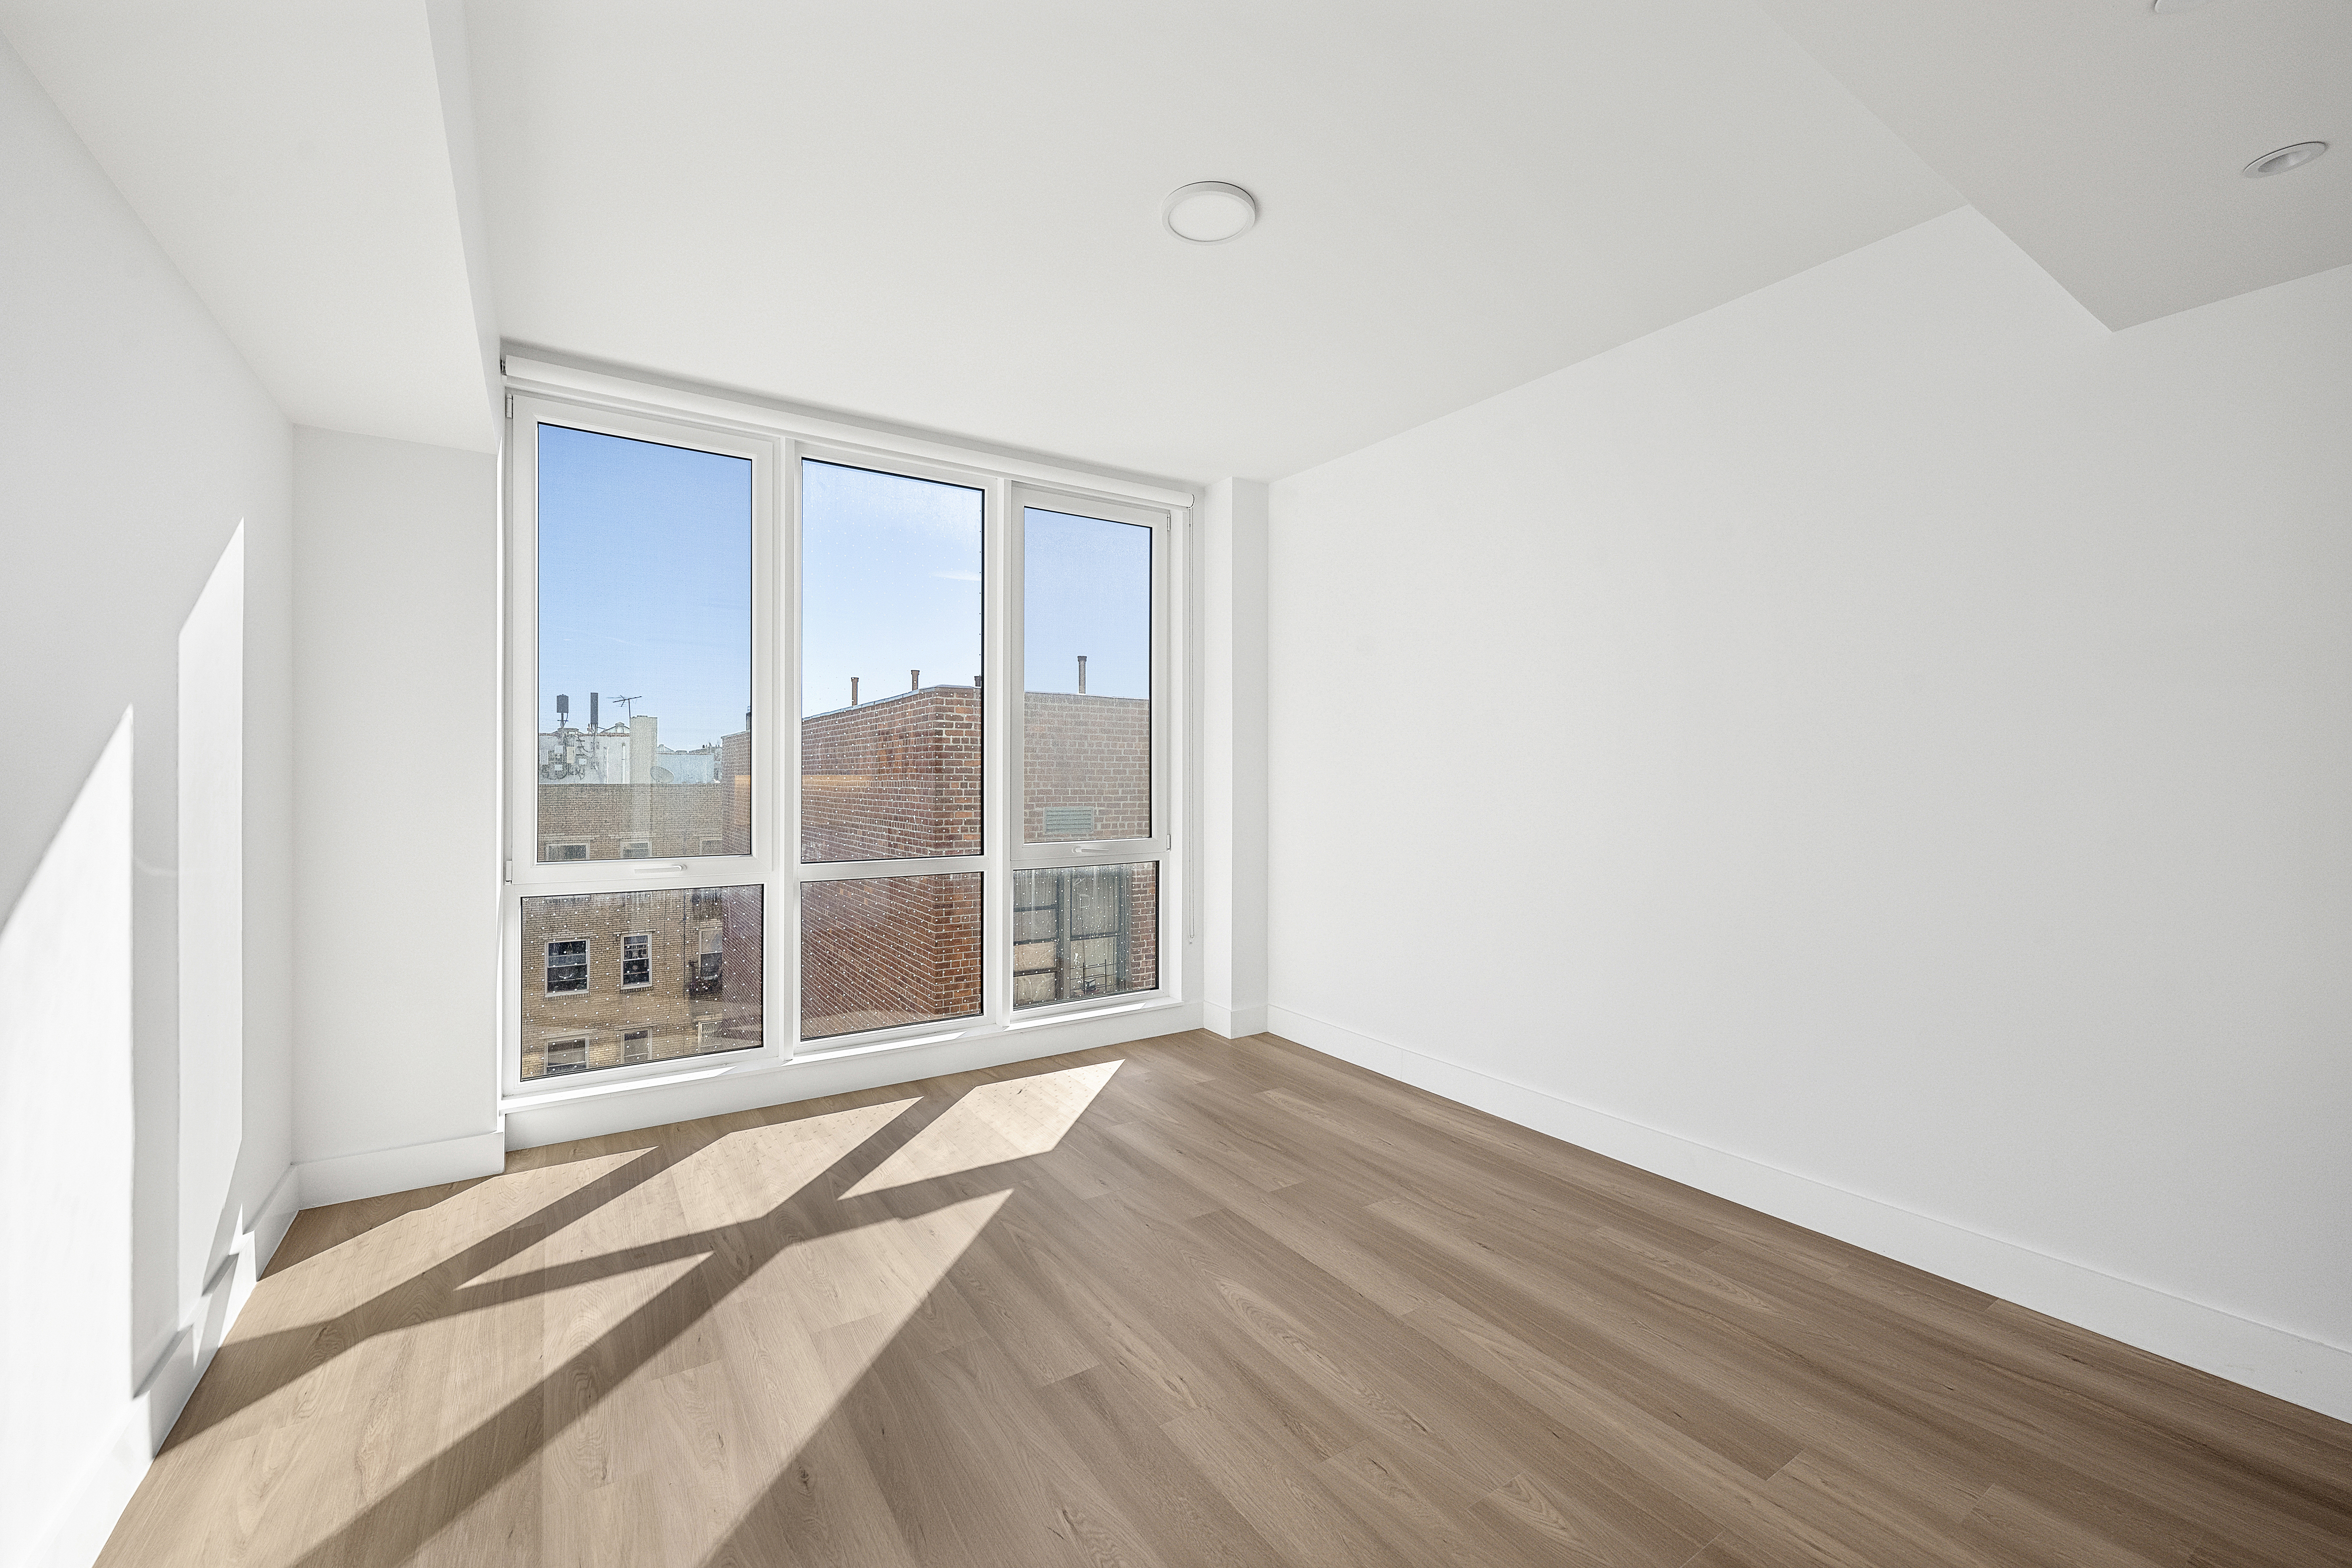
567 966
637 960
565 849
708 970
713 844
637 849
1084 930
636 1045
567 1056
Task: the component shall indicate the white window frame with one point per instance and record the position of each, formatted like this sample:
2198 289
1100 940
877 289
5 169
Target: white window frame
1155 847
647 938
776 440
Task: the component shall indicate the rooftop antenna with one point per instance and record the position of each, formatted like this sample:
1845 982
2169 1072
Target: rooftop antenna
628 702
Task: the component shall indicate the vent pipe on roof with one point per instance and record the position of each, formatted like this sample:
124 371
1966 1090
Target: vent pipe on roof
914 680
1082 675
591 708
853 691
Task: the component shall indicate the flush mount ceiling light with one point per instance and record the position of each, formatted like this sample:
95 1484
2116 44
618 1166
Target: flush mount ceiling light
2173 7
1209 212
2285 158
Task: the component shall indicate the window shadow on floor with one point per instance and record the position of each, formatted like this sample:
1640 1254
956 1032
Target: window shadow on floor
656 1246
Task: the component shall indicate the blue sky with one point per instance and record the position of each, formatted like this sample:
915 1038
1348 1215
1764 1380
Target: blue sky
1088 591
644 582
646 587
890 583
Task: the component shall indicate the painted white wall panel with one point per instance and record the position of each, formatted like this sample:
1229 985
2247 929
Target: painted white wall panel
1888 729
396 594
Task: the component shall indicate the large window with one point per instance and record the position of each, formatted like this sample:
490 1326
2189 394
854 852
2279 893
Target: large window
752 678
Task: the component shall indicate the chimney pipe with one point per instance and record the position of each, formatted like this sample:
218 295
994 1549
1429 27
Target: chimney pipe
853 691
591 708
914 680
1082 675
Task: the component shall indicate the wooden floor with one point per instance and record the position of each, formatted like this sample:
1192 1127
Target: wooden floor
1186 1301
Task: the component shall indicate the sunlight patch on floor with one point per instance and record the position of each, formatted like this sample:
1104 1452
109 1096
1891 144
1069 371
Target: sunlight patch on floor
992 1123
732 1180
740 1396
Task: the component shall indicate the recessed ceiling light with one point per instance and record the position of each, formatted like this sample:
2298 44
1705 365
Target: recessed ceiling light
2285 158
1209 212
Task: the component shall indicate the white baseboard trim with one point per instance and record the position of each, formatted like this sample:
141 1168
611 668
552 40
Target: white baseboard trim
812 1077
2306 1372
76 1532
1233 1022
347 1177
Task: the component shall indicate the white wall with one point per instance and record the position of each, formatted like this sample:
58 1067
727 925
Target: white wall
1233 527
1881 749
144 1064
396 594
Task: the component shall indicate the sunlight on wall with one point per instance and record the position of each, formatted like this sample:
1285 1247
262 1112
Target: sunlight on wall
994 1123
65 1153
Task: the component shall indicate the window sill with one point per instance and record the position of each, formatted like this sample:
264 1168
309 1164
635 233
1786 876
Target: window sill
1067 1013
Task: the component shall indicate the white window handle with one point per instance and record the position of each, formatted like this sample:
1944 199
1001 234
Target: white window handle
668 869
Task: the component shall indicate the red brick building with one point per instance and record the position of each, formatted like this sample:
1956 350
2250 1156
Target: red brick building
895 779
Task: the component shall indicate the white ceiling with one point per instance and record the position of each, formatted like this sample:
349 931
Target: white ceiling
948 216
2107 140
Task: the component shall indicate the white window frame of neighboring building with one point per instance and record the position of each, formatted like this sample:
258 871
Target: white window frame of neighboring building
775 440
647 938
587 965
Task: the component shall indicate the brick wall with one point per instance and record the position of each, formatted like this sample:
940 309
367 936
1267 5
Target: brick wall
879 950
893 779
1086 752
676 819
681 1017
898 778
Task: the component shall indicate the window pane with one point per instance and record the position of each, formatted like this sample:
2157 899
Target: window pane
645 649
881 951
890 666
1084 930
1086 736
675 972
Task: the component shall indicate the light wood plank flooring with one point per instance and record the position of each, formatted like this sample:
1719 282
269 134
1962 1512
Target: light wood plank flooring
1186 1301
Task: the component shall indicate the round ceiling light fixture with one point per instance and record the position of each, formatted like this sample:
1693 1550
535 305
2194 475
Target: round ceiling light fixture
1209 212
2285 158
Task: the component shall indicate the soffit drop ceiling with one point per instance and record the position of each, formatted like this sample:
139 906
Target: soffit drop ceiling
2106 139
948 215
296 162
